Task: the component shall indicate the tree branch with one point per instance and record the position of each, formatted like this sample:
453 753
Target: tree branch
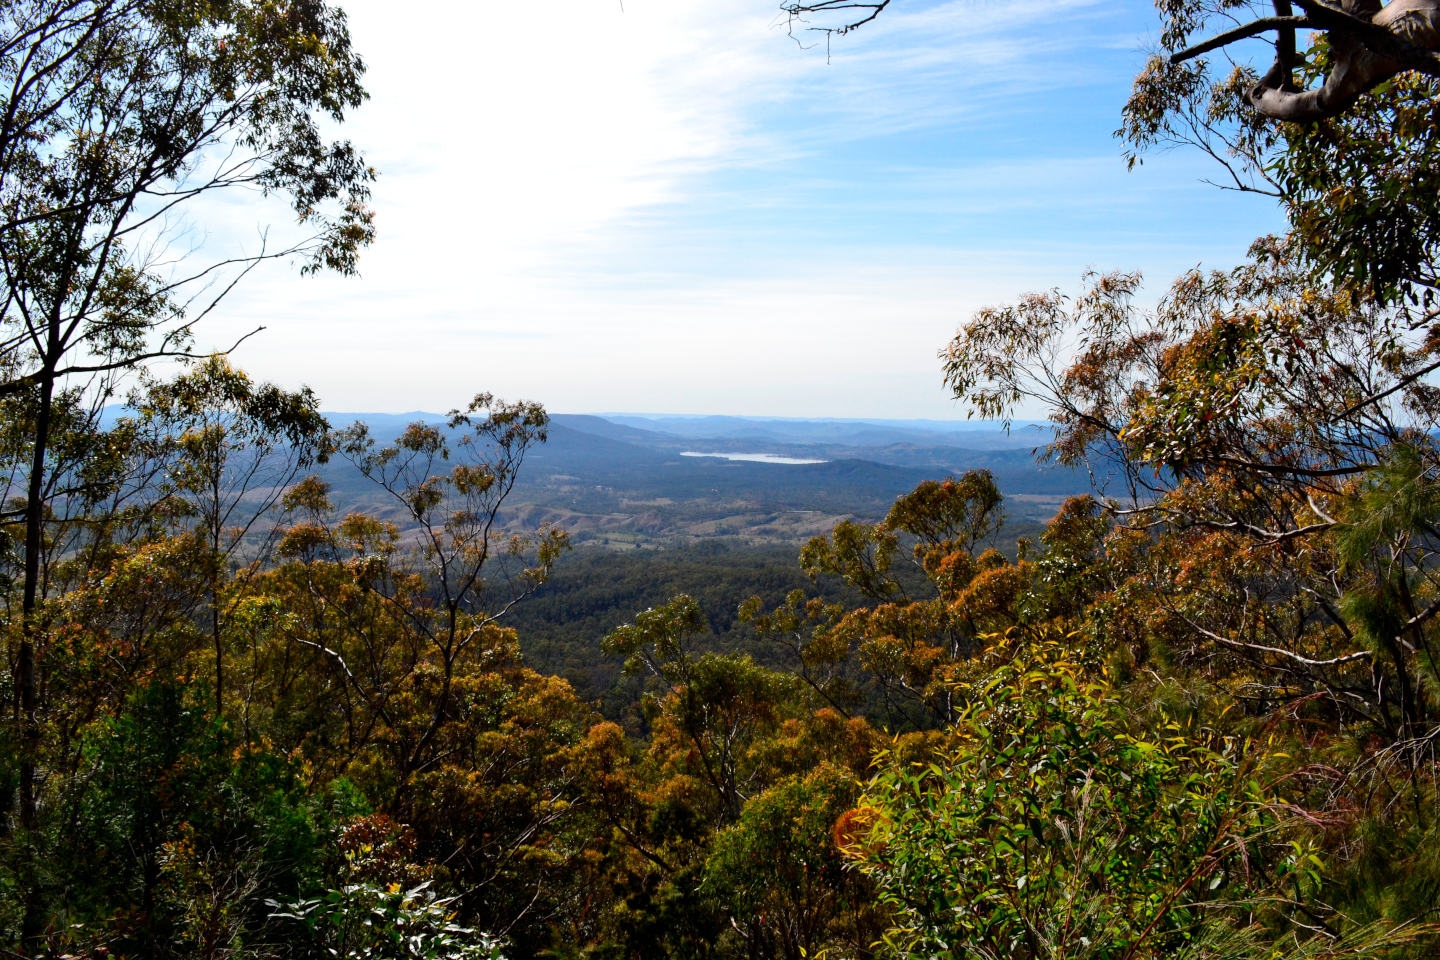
1240 33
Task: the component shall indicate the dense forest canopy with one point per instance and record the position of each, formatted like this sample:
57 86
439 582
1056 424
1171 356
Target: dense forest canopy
1195 715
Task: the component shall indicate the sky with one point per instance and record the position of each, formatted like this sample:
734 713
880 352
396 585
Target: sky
671 206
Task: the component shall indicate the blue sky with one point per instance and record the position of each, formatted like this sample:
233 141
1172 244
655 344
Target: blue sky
676 209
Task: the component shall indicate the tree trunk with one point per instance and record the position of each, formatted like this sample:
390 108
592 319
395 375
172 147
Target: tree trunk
214 564
32 924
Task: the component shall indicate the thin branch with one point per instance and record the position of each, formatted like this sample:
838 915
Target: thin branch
1240 33
796 11
1400 385
1303 661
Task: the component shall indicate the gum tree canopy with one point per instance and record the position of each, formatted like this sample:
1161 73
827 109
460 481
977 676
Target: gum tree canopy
116 116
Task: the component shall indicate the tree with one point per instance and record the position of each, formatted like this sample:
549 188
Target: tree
713 710
381 655
1342 134
1280 430
456 515
1368 44
233 448
1049 827
779 874
177 830
727 767
115 116
909 643
1265 435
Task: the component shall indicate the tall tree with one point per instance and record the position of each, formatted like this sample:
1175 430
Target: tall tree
1276 439
232 448
116 116
909 642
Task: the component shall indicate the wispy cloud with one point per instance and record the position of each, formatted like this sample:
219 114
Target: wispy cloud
675 207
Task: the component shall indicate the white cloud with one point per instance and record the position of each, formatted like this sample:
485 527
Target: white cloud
675 208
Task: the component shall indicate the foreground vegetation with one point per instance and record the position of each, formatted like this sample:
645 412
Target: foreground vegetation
1196 716
315 737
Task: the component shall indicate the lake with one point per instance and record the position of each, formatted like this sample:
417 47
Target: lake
753 457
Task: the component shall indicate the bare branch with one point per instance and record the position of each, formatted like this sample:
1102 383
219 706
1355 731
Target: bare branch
797 11
1240 33
1259 648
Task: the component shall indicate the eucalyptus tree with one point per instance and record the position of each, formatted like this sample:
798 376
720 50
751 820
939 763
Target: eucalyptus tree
231 448
115 118
1341 131
448 598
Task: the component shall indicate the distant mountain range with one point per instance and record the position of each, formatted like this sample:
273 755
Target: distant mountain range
624 480
656 428
865 433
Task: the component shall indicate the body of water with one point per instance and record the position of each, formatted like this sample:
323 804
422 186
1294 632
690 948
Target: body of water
755 457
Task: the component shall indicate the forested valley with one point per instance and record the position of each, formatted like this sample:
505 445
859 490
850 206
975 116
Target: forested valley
276 686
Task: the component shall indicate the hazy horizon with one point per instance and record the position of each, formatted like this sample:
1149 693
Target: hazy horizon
882 421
